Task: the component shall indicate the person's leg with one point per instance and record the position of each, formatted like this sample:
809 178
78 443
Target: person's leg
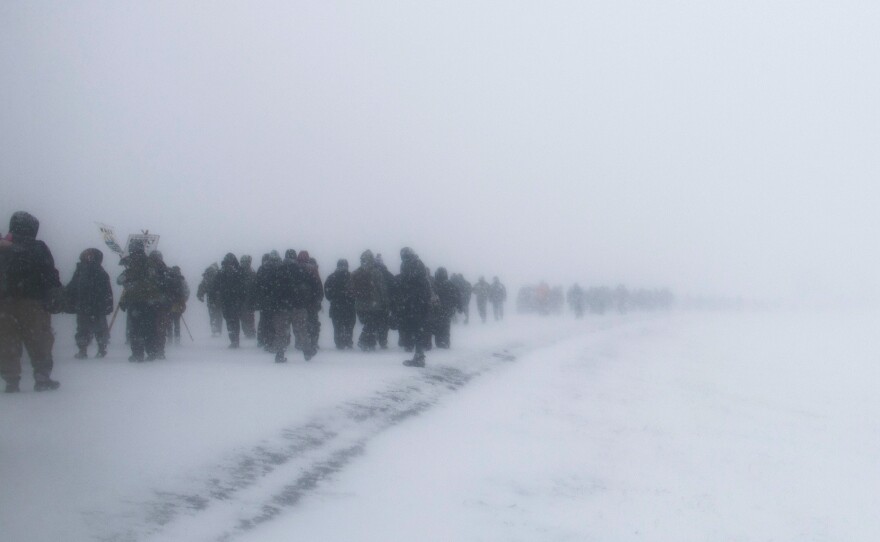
38 339
281 333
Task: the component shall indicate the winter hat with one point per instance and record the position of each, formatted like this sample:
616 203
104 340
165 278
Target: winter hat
91 254
230 259
407 253
23 224
342 264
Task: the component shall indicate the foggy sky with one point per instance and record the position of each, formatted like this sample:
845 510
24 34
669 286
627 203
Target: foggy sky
713 147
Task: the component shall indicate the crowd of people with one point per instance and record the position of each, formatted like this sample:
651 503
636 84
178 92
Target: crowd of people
544 299
280 299
288 293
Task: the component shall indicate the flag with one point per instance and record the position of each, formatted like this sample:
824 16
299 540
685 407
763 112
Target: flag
110 238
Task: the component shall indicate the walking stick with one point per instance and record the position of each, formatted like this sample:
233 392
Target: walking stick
182 319
110 327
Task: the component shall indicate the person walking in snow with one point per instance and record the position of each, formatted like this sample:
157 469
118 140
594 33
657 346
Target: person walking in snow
263 300
293 288
91 299
163 305
314 308
370 293
414 292
497 296
481 292
465 290
448 302
179 295
28 282
230 286
383 321
208 289
248 327
337 289
141 299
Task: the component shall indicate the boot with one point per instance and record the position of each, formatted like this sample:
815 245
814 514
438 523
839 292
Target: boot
279 357
102 351
82 354
46 384
417 361
12 387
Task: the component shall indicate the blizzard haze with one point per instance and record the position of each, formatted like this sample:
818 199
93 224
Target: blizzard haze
712 147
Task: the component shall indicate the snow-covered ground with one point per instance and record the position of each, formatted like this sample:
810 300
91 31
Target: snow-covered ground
682 426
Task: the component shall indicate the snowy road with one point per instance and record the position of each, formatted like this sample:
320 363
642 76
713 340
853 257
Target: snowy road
677 427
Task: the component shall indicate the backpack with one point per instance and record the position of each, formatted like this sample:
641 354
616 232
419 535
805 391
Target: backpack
14 264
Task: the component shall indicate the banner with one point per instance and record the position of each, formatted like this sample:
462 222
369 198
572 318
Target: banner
150 241
110 238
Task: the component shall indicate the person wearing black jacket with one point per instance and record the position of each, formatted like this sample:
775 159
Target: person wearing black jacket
414 299
208 287
465 290
179 294
231 292
449 300
163 302
314 323
337 289
91 299
291 289
247 310
28 285
143 298
383 323
262 299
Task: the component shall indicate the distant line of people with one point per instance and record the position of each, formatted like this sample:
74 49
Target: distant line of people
543 299
287 293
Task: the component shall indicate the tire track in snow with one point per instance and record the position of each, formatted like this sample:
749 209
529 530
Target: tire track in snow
256 485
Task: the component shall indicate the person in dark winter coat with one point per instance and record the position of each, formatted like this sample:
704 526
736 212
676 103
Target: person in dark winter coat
28 285
448 302
383 321
414 293
208 288
338 290
263 301
497 296
293 288
481 292
142 299
464 292
163 306
91 299
314 323
248 327
231 291
370 293
179 295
